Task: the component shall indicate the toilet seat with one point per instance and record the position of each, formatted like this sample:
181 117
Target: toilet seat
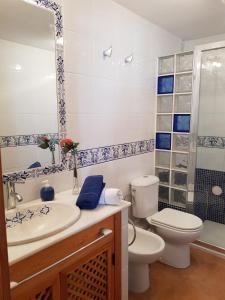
176 220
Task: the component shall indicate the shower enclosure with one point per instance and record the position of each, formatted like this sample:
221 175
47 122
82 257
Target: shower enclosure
190 137
207 158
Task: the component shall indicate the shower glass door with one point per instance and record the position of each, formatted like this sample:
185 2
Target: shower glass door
209 130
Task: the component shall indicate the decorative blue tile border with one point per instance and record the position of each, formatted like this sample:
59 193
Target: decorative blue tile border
19 176
24 140
100 155
86 158
56 9
211 142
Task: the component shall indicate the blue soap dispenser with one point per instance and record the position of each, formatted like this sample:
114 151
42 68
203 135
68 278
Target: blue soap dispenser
47 192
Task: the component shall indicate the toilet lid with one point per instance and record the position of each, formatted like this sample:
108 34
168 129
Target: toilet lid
176 219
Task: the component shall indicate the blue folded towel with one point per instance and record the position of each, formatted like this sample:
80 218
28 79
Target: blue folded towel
91 192
35 165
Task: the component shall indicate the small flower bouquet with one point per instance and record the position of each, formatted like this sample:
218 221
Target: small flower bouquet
45 142
68 145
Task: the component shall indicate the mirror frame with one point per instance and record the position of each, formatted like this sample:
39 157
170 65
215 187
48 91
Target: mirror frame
25 140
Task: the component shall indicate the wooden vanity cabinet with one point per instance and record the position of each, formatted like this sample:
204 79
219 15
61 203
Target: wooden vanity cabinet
85 266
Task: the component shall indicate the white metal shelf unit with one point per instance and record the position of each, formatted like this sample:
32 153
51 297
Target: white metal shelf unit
171 165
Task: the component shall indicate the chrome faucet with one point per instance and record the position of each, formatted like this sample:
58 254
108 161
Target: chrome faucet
12 196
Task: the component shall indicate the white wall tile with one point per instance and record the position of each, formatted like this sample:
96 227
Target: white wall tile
78 94
78 53
78 16
109 102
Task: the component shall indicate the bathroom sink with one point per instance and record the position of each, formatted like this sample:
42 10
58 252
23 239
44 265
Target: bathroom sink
32 222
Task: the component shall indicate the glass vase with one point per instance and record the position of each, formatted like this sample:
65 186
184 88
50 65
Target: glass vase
76 189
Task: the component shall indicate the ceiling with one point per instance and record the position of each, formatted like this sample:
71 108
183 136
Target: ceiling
27 24
187 19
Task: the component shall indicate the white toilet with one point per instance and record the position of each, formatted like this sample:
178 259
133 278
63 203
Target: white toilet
178 229
146 249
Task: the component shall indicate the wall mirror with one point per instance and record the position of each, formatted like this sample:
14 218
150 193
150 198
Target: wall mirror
31 79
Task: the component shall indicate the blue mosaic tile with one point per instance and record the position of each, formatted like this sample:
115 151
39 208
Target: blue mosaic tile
163 141
200 204
206 203
181 123
165 84
206 179
216 209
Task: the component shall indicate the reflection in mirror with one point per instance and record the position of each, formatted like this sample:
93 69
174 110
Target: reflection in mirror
28 95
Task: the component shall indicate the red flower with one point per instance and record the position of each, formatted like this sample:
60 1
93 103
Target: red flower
45 139
66 141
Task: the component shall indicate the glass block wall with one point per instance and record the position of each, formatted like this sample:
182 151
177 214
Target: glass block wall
174 95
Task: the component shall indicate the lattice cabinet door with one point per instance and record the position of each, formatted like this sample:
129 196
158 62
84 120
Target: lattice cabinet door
89 278
46 289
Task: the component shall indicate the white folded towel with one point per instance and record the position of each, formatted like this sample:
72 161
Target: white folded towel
111 197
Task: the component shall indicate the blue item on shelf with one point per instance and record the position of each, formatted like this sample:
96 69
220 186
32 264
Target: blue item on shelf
181 123
163 141
90 192
35 165
165 84
47 193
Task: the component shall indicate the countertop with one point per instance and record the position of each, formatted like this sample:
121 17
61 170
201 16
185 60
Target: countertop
86 220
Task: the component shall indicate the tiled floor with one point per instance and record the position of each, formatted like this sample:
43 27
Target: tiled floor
203 280
213 234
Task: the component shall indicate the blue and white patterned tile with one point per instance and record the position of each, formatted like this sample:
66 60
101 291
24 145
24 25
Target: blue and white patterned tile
19 176
105 154
211 142
49 170
25 140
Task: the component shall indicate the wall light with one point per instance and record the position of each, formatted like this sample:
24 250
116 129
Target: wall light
107 52
129 59
18 68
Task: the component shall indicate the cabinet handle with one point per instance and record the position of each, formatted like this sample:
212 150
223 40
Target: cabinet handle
103 233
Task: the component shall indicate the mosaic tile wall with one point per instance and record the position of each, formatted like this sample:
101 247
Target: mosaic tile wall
207 205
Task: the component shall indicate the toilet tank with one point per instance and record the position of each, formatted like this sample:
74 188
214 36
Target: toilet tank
145 196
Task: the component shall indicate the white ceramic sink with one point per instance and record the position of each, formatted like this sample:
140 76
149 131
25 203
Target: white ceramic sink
32 222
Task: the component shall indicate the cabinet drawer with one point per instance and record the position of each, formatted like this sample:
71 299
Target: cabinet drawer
58 251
